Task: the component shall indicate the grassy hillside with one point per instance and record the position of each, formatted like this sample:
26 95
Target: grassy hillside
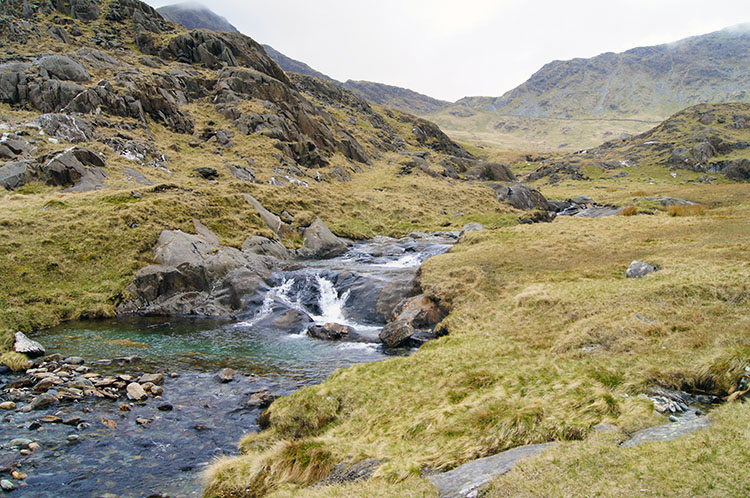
547 339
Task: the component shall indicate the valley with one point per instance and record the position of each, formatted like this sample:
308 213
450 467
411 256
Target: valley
225 274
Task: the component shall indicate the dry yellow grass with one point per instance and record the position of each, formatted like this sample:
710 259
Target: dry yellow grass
547 336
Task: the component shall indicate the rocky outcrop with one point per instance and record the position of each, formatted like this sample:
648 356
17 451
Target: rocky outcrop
15 174
493 172
320 243
78 167
60 67
520 196
193 275
430 135
69 128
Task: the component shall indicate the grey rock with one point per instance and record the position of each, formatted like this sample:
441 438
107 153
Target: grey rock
136 392
64 68
7 485
261 399
345 472
16 174
318 242
74 360
330 332
195 276
463 481
599 212
520 196
137 177
262 246
69 128
472 227
26 346
79 167
156 379
495 172
20 442
606 428
242 173
98 59
395 334
43 401
226 375
273 222
639 269
582 200
685 424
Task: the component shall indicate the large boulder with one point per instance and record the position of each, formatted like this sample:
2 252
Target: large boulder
372 298
262 246
28 347
16 174
193 275
79 167
396 334
318 242
494 172
330 332
520 196
418 311
61 67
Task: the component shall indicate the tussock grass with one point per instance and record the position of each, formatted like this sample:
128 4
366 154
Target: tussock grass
547 339
706 463
680 210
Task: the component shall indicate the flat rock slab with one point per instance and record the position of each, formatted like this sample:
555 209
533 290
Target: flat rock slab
463 481
686 424
599 212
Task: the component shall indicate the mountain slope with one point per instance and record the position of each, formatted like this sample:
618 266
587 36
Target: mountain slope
193 15
196 16
294 66
396 97
581 102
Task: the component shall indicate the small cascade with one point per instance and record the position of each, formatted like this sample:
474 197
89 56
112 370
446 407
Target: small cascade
331 304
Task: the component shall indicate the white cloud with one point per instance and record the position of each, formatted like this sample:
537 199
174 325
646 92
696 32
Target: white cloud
450 48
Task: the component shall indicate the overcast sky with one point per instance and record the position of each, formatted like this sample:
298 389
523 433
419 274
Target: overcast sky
450 49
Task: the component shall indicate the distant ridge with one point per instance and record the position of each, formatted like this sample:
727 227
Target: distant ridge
193 15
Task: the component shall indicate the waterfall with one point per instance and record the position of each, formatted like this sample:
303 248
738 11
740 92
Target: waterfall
331 304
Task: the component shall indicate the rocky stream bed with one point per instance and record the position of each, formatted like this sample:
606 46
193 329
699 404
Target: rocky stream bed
137 407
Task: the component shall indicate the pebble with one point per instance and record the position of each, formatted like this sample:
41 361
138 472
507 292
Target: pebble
74 438
699 413
7 485
672 418
125 407
166 407
142 421
35 447
156 379
20 442
226 376
19 475
8 405
136 392
75 360
157 390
